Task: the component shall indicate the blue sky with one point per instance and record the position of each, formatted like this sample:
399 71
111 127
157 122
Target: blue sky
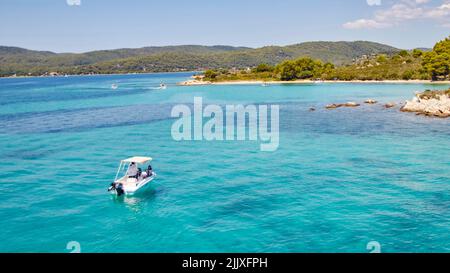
84 25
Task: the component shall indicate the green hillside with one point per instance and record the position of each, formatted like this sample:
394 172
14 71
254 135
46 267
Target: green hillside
20 61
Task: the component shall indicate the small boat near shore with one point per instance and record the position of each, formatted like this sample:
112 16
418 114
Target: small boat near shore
161 86
114 86
134 178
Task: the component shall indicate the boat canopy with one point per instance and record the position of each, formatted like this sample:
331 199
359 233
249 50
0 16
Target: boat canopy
137 159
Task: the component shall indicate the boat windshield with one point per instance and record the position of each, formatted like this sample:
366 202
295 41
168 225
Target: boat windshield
139 169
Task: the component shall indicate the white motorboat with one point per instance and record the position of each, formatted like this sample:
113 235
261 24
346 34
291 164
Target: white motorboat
162 86
134 178
114 86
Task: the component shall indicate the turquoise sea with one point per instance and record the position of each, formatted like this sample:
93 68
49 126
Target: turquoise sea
339 180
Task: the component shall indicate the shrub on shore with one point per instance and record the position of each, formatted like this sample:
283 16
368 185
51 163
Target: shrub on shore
434 94
437 62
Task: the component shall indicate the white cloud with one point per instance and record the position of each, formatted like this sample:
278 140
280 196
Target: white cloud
373 2
73 2
415 2
440 12
399 12
365 23
404 10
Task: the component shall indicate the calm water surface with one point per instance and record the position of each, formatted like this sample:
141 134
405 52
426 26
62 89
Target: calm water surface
339 179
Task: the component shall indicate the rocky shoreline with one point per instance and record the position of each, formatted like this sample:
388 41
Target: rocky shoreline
430 103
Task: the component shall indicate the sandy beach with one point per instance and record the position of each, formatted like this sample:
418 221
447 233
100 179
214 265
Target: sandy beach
258 82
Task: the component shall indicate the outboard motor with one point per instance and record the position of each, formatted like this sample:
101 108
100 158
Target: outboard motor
118 188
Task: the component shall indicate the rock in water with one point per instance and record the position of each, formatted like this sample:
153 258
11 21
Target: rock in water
371 101
333 106
389 105
430 103
351 104
337 105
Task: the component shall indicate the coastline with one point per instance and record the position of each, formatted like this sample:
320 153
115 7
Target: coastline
99 74
243 82
259 82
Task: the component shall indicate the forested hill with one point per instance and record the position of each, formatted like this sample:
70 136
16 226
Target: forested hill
19 61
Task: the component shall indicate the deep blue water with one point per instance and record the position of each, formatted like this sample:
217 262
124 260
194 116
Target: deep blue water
339 179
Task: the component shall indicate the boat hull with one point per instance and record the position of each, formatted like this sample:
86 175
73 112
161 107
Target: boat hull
133 188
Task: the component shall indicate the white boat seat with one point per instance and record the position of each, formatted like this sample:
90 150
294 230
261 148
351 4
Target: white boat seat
131 180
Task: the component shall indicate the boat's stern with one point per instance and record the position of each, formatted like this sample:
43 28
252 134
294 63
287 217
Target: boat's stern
129 186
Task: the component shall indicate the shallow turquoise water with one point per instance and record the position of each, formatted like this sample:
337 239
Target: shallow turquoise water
339 179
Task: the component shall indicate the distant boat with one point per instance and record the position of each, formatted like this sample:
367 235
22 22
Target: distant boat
114 86
162 86
264 84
